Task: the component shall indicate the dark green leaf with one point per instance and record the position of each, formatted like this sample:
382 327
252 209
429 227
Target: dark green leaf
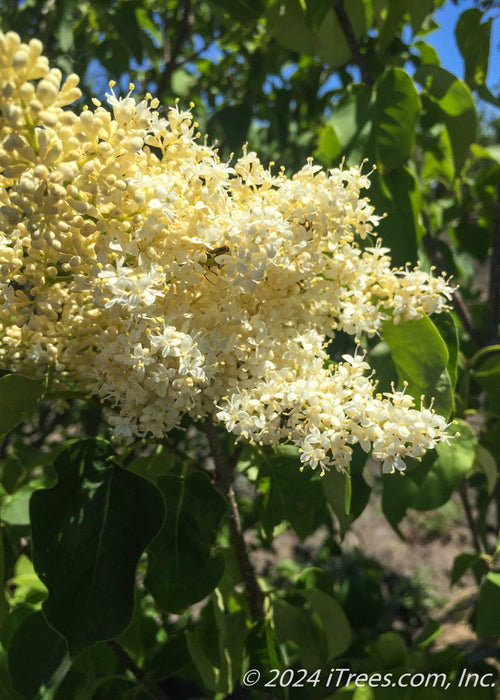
88 534
171 659
262 647
19 396
397 108
125 23
35 653
473 40
488 621
418 11
488 376
397 194
461 564
242 10
421 359
234 121
183 550
289 494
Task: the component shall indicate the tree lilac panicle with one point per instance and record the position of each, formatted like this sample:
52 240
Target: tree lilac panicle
166 282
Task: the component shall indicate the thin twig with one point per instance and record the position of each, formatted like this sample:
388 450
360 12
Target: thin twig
352 42
494 282
225 470
128 662
478 546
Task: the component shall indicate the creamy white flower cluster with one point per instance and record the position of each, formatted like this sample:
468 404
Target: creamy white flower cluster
149 273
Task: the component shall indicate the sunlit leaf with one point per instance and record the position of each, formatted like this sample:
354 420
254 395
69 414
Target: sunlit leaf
450 101
19 396
421 359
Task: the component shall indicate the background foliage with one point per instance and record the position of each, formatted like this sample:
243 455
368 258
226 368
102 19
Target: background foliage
102 563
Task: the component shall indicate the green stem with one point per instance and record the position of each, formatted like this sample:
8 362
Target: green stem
129 663
464 496
484 351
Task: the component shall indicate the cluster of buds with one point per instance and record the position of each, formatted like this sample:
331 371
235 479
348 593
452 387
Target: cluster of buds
149 273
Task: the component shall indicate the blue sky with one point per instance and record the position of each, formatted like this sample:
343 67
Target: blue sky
443 40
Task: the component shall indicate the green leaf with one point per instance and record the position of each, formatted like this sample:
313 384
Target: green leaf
393 19
35 653
397 194
421 358
328 149
171 659
331 620
293 624
26 586
88 534
19 396
182 551
289 494
15 507
288 23
461 564
447 328
488 620
488 375
428 53
438 154
183 83
351 123
262 647
218 660
234 121
340 489
320 633
4 606
473 41
418 11
242 10
485 462
397 108
392 650
124 20
449 101
9 626
454 461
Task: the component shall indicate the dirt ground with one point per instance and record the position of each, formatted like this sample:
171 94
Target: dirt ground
426 555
